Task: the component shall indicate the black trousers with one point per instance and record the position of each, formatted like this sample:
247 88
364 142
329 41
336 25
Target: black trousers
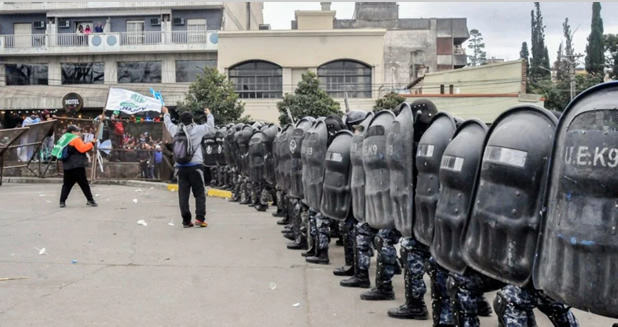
191 179
72 176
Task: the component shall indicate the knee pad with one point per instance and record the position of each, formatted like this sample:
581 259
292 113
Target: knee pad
378 242
452 287
500 307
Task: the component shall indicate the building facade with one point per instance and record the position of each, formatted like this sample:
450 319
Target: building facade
265 65
482 92
412 46
48 49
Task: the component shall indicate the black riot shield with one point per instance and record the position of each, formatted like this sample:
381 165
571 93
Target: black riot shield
285 158
296 164
209 149
270 131
219 153
577 256
502 230
314 148
257 153
379 211
336 194
458 170
428 159
400 160
357 184
230 147
242 142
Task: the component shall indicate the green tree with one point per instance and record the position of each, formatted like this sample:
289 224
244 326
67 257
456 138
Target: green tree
308 100
525 54
539 62
557 95
388 101
214 91
595 51
611 46
559 65
477 45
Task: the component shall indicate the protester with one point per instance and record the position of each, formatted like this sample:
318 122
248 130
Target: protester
74 164
144 157
158 160
87 31
190 175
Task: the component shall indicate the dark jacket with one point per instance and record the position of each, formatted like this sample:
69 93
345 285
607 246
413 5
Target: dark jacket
77 154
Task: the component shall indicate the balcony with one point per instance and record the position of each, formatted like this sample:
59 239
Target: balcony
125 42
25 7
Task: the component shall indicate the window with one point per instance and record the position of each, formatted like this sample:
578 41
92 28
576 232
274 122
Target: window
451 89
257 80
83 73
441 89
344 75
196 31
135 33
187 70
26 74
139 72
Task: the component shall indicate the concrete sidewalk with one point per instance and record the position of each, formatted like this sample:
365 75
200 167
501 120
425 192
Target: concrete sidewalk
126 274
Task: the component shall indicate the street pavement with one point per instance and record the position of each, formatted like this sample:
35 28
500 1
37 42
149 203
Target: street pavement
101 268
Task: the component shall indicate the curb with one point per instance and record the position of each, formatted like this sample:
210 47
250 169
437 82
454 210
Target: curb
215 193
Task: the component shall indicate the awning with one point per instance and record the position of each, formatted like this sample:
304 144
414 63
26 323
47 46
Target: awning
40 97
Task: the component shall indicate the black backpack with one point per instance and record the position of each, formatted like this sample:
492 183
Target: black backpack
183 149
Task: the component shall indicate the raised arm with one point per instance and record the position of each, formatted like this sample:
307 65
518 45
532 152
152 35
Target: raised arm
171 127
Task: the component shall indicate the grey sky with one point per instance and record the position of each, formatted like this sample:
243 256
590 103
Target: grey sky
504 25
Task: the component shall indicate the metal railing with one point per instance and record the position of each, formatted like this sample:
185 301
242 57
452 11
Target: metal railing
126 39
28 6
136 38
24 41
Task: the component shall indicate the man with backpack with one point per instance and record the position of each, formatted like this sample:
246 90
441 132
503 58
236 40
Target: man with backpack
71 150
188 156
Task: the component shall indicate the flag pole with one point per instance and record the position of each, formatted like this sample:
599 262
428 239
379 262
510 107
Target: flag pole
96 135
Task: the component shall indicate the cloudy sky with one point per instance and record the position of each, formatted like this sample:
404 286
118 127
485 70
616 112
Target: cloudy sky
504 25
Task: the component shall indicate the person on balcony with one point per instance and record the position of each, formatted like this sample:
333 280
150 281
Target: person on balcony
80 34
98 28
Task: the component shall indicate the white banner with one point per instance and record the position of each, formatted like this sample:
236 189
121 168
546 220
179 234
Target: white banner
130 102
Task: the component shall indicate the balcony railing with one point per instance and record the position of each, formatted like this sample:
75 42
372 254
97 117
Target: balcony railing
124 39
37 6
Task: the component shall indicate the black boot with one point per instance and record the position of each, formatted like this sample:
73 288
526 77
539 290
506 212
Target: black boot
344 271
484 309
383 290
360 280
320 259
398 270
350 257
289 236
278 213
284 221
413 308
311 252
302 245
287 229
261 208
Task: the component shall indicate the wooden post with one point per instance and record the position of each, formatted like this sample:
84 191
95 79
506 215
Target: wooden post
93 172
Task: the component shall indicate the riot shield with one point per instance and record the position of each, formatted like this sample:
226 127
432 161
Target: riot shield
400 160
458 170
428 159
209 149
296 163
285 157
379 210
313 153
357 184
577 255
257 153
219 153
501 234
336 194
270 131
230 147
242 142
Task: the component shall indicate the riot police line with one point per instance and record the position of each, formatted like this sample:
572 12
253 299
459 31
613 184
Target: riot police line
527 207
